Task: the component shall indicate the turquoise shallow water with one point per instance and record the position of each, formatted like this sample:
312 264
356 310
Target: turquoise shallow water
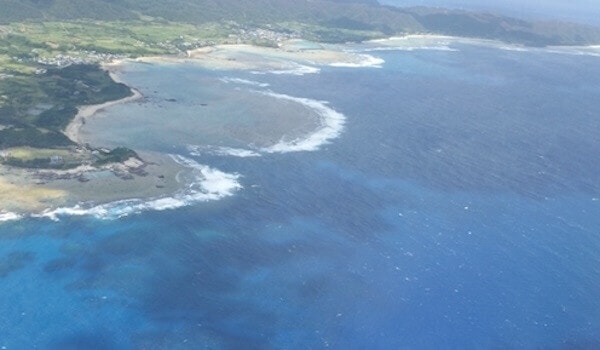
185 104
459 209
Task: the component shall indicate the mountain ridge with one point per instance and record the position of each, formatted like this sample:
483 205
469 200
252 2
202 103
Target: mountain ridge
346 14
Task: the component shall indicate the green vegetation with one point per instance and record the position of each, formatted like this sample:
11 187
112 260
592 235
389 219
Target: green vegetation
63 158
34 137
50 49
512 30
22 45
355 15
35 109
117 155
29 157
38 99
326 34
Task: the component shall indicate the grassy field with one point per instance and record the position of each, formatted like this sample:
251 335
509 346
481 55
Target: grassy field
47 69
328 34
35 109
132 38
29 153
41 157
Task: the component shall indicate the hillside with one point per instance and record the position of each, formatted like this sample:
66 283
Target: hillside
50 49
343 14
490 26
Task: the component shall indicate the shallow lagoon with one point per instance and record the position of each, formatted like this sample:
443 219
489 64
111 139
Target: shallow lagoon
185 104
458 209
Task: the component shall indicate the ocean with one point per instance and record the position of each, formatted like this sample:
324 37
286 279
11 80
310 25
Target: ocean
451 201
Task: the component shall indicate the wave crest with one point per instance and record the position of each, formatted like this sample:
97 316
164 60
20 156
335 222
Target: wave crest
222 151
331 126
243 82
9 216
364 61
294 69
209 184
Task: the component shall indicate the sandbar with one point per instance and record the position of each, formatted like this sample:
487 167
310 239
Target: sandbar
290 57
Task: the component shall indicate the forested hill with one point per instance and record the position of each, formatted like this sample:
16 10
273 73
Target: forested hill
194 11
346 14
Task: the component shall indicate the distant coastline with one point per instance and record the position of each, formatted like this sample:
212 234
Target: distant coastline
158 175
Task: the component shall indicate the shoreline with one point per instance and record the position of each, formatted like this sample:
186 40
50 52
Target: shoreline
73 130
443 42
28 192
158 179
289 58
159 176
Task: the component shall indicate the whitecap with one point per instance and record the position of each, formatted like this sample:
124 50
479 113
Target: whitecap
575 50
413 48
331 126
9 216
513 48
364 61
294 69
222 151
209 184
415 42
243 82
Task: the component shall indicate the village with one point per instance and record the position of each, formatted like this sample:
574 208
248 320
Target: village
178 46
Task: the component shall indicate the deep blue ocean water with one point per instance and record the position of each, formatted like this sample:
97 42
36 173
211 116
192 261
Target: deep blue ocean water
459 209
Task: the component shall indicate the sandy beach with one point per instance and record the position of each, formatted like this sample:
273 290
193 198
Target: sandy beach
291 56
158 175
35 190
84 112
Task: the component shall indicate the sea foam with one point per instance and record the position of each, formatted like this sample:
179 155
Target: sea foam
9 216
412 48
243 82
294 69
331 126
364 61
413 43
196 151
209 184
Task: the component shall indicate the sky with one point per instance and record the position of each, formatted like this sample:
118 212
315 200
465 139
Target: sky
585 11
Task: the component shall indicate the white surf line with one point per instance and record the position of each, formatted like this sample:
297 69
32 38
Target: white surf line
364 61
6 216
243 82
222 151
411 48
210 184
331 126
433 42
296 69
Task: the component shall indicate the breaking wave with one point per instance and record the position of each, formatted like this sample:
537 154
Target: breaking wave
209 184
365 61
331 125
9 216
413 48
197 151
294 69
243 82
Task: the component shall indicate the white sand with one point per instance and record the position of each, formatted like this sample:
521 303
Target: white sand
84 112
287 58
